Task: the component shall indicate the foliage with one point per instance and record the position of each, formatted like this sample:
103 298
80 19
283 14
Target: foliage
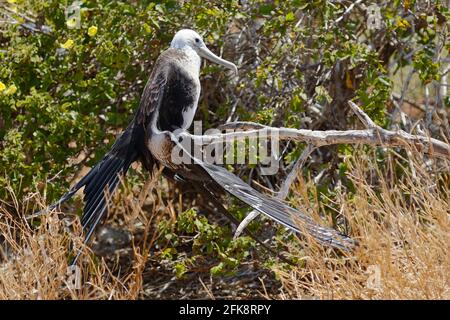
207 240
67 90
70 90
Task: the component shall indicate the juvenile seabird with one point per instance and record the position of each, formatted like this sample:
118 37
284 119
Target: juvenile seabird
168 103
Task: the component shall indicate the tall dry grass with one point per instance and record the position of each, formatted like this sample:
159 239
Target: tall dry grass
401 220
34 262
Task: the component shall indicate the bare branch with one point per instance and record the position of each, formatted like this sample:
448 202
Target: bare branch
242 125
29 23
286 185
377 137
284 190
374 135
347 11
365 119
244 223
12 11
397 98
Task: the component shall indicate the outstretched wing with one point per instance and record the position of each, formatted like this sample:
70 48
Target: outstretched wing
271 207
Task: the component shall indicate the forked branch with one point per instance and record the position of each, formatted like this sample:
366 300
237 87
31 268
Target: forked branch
374 135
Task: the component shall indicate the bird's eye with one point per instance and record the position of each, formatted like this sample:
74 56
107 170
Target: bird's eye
197 40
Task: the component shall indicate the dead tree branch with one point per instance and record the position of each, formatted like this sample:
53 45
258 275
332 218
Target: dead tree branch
374 135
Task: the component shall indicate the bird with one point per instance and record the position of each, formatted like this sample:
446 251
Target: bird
168 104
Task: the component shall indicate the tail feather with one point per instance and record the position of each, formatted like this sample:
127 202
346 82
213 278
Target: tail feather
93 196
94 205
271 207
93 217
276 209
102 180
80 184
105 181
109 165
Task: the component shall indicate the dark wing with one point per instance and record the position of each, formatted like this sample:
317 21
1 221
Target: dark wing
102 180
155 89
130 147
153 93
271 207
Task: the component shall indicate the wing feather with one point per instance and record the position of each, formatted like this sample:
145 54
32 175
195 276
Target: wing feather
269 206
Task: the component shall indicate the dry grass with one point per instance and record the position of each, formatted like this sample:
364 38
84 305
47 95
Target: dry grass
402 224
400 220
34 263
34 260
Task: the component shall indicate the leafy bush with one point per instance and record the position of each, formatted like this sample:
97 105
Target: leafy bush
67 90
70 90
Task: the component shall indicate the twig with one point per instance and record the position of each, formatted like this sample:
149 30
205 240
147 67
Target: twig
10 10
30 23
244 223
347 11
233 110
363 117
402 94
406 126
286 185
429 109
416 105
241 125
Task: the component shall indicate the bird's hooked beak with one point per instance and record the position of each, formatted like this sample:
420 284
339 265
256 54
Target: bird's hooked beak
204 52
